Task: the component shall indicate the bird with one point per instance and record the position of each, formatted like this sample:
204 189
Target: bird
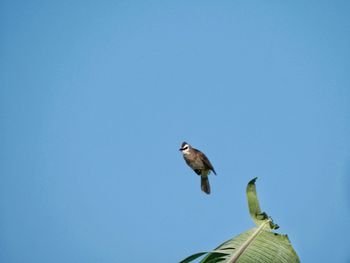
199 163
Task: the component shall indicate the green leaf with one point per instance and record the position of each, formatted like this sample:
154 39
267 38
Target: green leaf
193 257
212 255
267 247
215 256
254 207
258 244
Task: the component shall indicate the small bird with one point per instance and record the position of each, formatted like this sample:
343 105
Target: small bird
199 163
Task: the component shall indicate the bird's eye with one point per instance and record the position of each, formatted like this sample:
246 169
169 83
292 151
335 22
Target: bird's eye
185 148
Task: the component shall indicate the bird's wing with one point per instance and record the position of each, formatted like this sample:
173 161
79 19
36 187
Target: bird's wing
188 161
205 160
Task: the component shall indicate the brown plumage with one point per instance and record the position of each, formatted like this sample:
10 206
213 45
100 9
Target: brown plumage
199 163
205 186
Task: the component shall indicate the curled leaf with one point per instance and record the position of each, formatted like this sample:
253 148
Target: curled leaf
255 212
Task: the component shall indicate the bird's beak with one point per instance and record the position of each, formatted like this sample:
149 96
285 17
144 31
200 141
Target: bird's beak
180 149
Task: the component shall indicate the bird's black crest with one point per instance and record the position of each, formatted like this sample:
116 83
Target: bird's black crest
183 144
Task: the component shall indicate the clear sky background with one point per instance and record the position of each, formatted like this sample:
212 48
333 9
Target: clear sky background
97 96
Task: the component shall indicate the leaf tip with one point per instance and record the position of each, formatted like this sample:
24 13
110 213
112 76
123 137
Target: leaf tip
252 181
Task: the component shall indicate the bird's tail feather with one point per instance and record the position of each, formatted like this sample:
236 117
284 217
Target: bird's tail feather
205 184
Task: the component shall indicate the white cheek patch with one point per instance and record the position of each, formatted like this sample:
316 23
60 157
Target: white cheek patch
187 151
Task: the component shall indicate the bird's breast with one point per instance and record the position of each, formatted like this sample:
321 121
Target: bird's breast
194 161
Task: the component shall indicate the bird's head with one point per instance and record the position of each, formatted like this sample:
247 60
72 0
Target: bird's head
185 148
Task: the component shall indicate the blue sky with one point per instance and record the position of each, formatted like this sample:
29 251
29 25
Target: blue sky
97 96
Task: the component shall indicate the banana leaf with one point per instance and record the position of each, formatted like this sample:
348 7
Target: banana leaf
259 244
